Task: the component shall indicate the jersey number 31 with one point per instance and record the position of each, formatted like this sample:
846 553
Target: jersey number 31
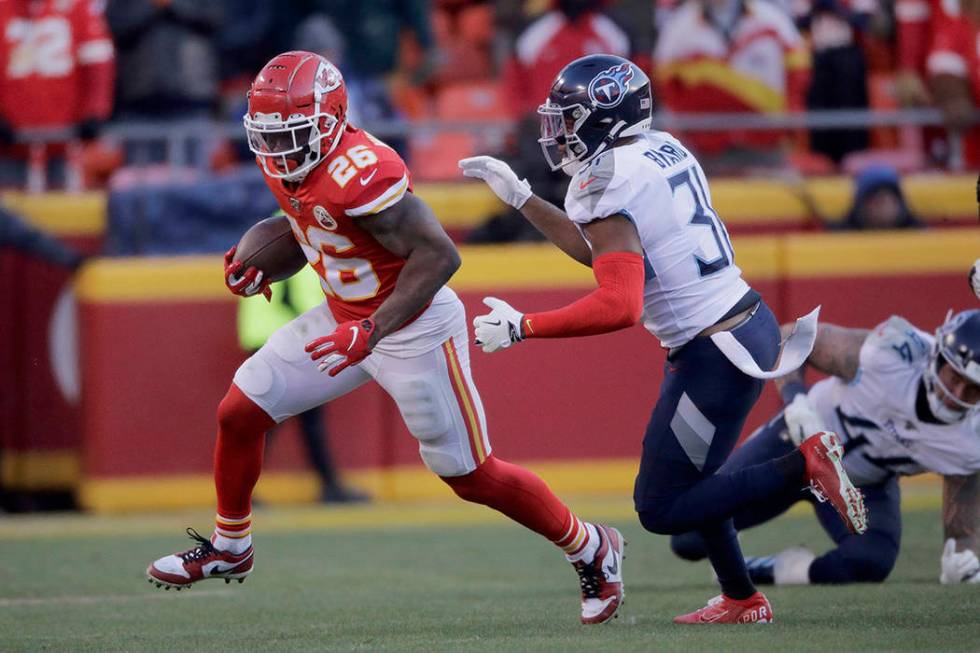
704 215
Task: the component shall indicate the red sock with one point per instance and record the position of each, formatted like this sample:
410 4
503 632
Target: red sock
519 494
238 453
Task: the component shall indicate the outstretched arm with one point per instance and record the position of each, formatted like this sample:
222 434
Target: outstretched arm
616 303
556 227
545 216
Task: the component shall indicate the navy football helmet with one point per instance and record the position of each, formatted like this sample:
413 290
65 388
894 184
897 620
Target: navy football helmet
957 345
593 101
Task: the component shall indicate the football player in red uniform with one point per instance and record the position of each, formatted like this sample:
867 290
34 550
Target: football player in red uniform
383 261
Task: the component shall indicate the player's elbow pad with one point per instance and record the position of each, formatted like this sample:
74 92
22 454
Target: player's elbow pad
616 304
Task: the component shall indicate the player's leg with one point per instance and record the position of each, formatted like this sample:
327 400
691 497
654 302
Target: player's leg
442 409
766 443
856 558
867 558
702 407
275 383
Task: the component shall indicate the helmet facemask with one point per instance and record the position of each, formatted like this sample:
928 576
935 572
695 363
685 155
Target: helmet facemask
938 394
277 142
563 148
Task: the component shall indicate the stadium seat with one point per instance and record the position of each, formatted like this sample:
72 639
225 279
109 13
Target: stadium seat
435 156
470 101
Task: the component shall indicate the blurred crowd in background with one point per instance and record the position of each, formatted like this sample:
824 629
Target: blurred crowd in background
98 92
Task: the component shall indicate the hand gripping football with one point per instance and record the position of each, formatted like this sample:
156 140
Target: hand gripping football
269 246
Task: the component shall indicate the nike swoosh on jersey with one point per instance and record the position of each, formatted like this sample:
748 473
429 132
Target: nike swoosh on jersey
585 183
366 180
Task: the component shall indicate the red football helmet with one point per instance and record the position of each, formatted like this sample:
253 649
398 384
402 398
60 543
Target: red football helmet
297 112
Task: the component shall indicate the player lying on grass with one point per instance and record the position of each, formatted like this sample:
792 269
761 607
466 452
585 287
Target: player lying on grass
638 211
903 403
383 260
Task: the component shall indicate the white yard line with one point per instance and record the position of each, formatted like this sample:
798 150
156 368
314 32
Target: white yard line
157 594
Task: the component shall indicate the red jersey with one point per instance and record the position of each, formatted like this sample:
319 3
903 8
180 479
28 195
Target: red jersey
954 51
56 62
547 45
361 177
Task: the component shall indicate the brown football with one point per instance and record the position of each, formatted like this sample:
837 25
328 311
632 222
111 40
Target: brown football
269 245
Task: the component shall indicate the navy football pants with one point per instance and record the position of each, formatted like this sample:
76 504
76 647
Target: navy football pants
702 406
865 558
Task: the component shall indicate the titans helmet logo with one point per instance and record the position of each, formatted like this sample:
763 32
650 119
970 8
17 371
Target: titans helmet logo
608 88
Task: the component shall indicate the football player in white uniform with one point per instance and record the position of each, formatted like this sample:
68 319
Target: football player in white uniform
903 402
638 211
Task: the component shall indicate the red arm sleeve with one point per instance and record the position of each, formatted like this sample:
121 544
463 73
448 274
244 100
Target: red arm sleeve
96 61
616 304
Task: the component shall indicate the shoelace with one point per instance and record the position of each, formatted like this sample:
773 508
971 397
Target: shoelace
203 549
589 578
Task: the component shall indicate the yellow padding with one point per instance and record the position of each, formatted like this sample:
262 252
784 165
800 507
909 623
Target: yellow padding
153 279
881 254
135 493
32 471
541 266
64 214
465 204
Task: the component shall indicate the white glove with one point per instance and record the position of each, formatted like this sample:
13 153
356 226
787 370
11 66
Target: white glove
959 566
975 278
802 420
501 179
500 328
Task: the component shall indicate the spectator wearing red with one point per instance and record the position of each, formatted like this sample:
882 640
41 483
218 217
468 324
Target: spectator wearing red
953 67
732 56
913 27
58 68
571 29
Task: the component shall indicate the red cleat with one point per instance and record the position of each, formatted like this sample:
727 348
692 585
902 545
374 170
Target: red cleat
829 482
723 610
180 570
602 578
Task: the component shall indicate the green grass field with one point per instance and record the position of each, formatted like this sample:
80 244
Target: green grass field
439 577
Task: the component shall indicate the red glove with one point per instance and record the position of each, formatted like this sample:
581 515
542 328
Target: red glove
247 284
347 344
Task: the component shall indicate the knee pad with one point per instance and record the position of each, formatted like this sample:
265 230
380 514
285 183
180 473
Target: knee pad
261 382
422 406
688 546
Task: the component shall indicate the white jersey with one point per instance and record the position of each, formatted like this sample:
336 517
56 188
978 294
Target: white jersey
691 276
875 414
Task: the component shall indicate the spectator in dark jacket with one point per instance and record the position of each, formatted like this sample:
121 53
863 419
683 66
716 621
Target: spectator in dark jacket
879 202
167 54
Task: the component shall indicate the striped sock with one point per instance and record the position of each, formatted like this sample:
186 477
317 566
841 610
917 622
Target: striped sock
580 541
233 534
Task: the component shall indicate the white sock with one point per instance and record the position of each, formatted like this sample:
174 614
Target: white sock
234 545
588 550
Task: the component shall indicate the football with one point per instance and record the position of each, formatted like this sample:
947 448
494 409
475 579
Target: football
269 246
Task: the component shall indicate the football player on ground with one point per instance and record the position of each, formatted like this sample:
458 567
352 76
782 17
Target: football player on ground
383 259
903 403
638 211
